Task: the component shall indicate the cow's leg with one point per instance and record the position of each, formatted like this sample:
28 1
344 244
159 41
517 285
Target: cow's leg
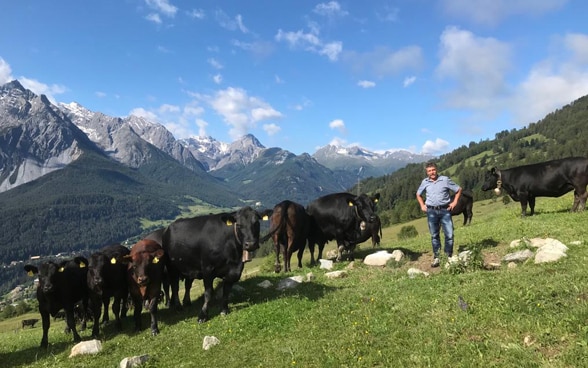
137 308
582 202
153 312
227 287
301 252
46 321
96 304
105 314
186 301
523 200
321 246
116 307
311 250
174 283
208 289
71 323
277 264
532 204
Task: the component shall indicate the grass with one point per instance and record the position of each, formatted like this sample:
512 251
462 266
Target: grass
528 316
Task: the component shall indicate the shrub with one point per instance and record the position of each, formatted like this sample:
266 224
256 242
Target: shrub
407 232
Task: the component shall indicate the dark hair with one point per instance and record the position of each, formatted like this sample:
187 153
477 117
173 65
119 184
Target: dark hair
430 164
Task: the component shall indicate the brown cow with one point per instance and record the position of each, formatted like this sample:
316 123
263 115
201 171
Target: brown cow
289 226
145 270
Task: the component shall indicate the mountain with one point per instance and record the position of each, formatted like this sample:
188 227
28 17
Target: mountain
35 139
366 163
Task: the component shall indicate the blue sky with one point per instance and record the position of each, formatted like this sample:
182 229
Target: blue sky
423 75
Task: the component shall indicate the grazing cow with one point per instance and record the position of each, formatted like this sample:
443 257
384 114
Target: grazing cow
289 225
339 216
547 179
144 273
368 230
107 278
465 205
210 246
29 322
61 285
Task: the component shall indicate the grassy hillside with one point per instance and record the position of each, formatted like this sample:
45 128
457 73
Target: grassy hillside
528 316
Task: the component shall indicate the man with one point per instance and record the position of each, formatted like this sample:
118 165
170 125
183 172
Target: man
438 206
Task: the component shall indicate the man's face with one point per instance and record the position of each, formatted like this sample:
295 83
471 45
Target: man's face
432 172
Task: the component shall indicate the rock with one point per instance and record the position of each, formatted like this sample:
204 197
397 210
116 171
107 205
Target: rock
379 258
336 274
134 361
289 282
397 254
265 284
519 256
326 264
209 341
414 272
86 347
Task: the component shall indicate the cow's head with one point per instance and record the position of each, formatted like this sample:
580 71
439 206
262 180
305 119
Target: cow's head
245 223
491 179
365 206
145 261
50 272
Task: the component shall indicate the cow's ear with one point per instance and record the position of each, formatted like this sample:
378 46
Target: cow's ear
228 219
157 255
31 270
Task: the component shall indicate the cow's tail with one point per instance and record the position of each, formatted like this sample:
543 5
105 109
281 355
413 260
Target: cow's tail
277 227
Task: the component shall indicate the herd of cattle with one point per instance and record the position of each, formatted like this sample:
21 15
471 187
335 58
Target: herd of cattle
218 246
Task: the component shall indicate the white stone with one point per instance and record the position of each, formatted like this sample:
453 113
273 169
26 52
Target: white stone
265 284
326 264
414 272
379 258
397 254
209 341
86 347
134 361
336 274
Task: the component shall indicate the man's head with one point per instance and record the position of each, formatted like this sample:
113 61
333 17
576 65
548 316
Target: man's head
431 169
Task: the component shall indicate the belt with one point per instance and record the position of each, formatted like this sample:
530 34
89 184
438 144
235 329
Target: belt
444 207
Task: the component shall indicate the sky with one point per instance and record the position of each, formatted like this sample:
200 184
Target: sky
427 76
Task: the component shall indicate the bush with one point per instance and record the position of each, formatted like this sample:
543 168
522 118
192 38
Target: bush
407 232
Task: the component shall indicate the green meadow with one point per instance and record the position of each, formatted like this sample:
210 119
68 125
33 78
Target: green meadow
531 315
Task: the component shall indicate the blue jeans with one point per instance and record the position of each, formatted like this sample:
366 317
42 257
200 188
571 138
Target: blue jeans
438 219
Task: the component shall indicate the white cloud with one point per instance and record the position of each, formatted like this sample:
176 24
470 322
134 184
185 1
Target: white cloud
383 62
41 88
218 78
330 9
232 24
5 72
310 42
241 111
408 81
143 113
339 125
340 142
554 82
366 84
197 13
201 124
155 18
433 147
215 63
271 129
492 12
475 68
162 6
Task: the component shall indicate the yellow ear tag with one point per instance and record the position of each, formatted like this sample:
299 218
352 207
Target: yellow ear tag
376 200
350 204
30 273
229 223
155 260
60 269
82 265
113 260
265 218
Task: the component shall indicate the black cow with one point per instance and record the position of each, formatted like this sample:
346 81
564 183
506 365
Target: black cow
289 226
339 216
61 285
465 205
547 179
107 278
29 322
144 272
210 246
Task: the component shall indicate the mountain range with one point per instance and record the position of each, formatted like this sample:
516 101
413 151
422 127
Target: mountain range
71 178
